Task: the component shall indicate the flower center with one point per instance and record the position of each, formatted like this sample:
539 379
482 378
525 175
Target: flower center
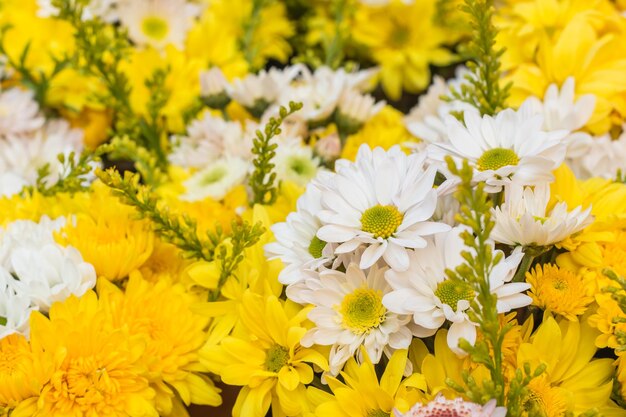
363 310
86 380
451 292
301 166
381 221
276 357
377 413
214 176
155 27
316 247
399 36
497 158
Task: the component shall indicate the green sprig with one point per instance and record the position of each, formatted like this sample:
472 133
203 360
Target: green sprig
262 181
482 88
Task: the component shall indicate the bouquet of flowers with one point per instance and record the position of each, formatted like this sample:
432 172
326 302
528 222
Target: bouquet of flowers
326 208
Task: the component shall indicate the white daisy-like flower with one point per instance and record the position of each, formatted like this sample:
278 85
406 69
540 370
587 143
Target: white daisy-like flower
383 202
158 22
349 313
40 268
358 107
210 139
458 407
603 157
213 82
523 219
19 113
216 180
295 162
424 291
297 245
15 308
512 146
104 9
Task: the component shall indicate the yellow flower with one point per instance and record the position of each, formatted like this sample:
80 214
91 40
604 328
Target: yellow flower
33 206
560 290
404 41
108 237
97 369
94 124
266 358
573 381
386 129
165 263
161 314
363 395
22 375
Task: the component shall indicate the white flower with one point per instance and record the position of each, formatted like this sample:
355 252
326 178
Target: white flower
295 162
458 407
296 244
262 89
216 180
349 313
104 9
210 139
14 309
213 82
508 147
383 201
158 22
524 220
602 157
425 292
19 113
358 107
40 269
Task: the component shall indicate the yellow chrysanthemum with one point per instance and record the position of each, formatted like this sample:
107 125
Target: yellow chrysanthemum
404 40
573 381
266 358
620 375
165 263
98 370
386 129
33 206
161 314
363 395
560 290
608 309
22 375
108 236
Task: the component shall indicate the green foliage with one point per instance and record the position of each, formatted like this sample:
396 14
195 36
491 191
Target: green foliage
262 180
36 80
181 231
145 161
517 399
100 51
71 180
475 213
482 88
250 51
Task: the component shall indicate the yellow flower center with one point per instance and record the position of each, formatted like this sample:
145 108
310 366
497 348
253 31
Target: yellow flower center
399 36
276 357
451 292
381 221
86 382
155 27
363 310
497 158
559 290
316 247
543 399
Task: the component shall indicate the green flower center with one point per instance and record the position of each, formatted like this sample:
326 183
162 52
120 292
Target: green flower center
155 27
363 310
381 221
302 166
276 357
451 292
214 176
316 247
377 413
497 158
399 36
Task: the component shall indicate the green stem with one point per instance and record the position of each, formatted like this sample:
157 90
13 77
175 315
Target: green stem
333 53
524 266
249 28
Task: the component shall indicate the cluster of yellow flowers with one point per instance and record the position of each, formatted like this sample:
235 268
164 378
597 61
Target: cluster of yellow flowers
371 208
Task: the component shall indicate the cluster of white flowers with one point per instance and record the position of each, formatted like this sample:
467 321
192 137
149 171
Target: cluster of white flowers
36 271
28 142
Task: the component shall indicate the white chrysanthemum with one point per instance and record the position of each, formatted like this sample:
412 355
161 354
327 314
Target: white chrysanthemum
349 313
210 139
19 113
383 201
258 91
104 9
297 245
158 22
603 157
295 162
508 147
458 407
358 107
216 180
14 309
425 292
22 156
213 82
524 219
40 268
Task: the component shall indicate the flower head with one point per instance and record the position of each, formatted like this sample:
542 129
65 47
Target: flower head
216 180
19 113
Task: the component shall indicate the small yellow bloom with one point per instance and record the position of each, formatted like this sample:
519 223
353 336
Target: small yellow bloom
560 290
